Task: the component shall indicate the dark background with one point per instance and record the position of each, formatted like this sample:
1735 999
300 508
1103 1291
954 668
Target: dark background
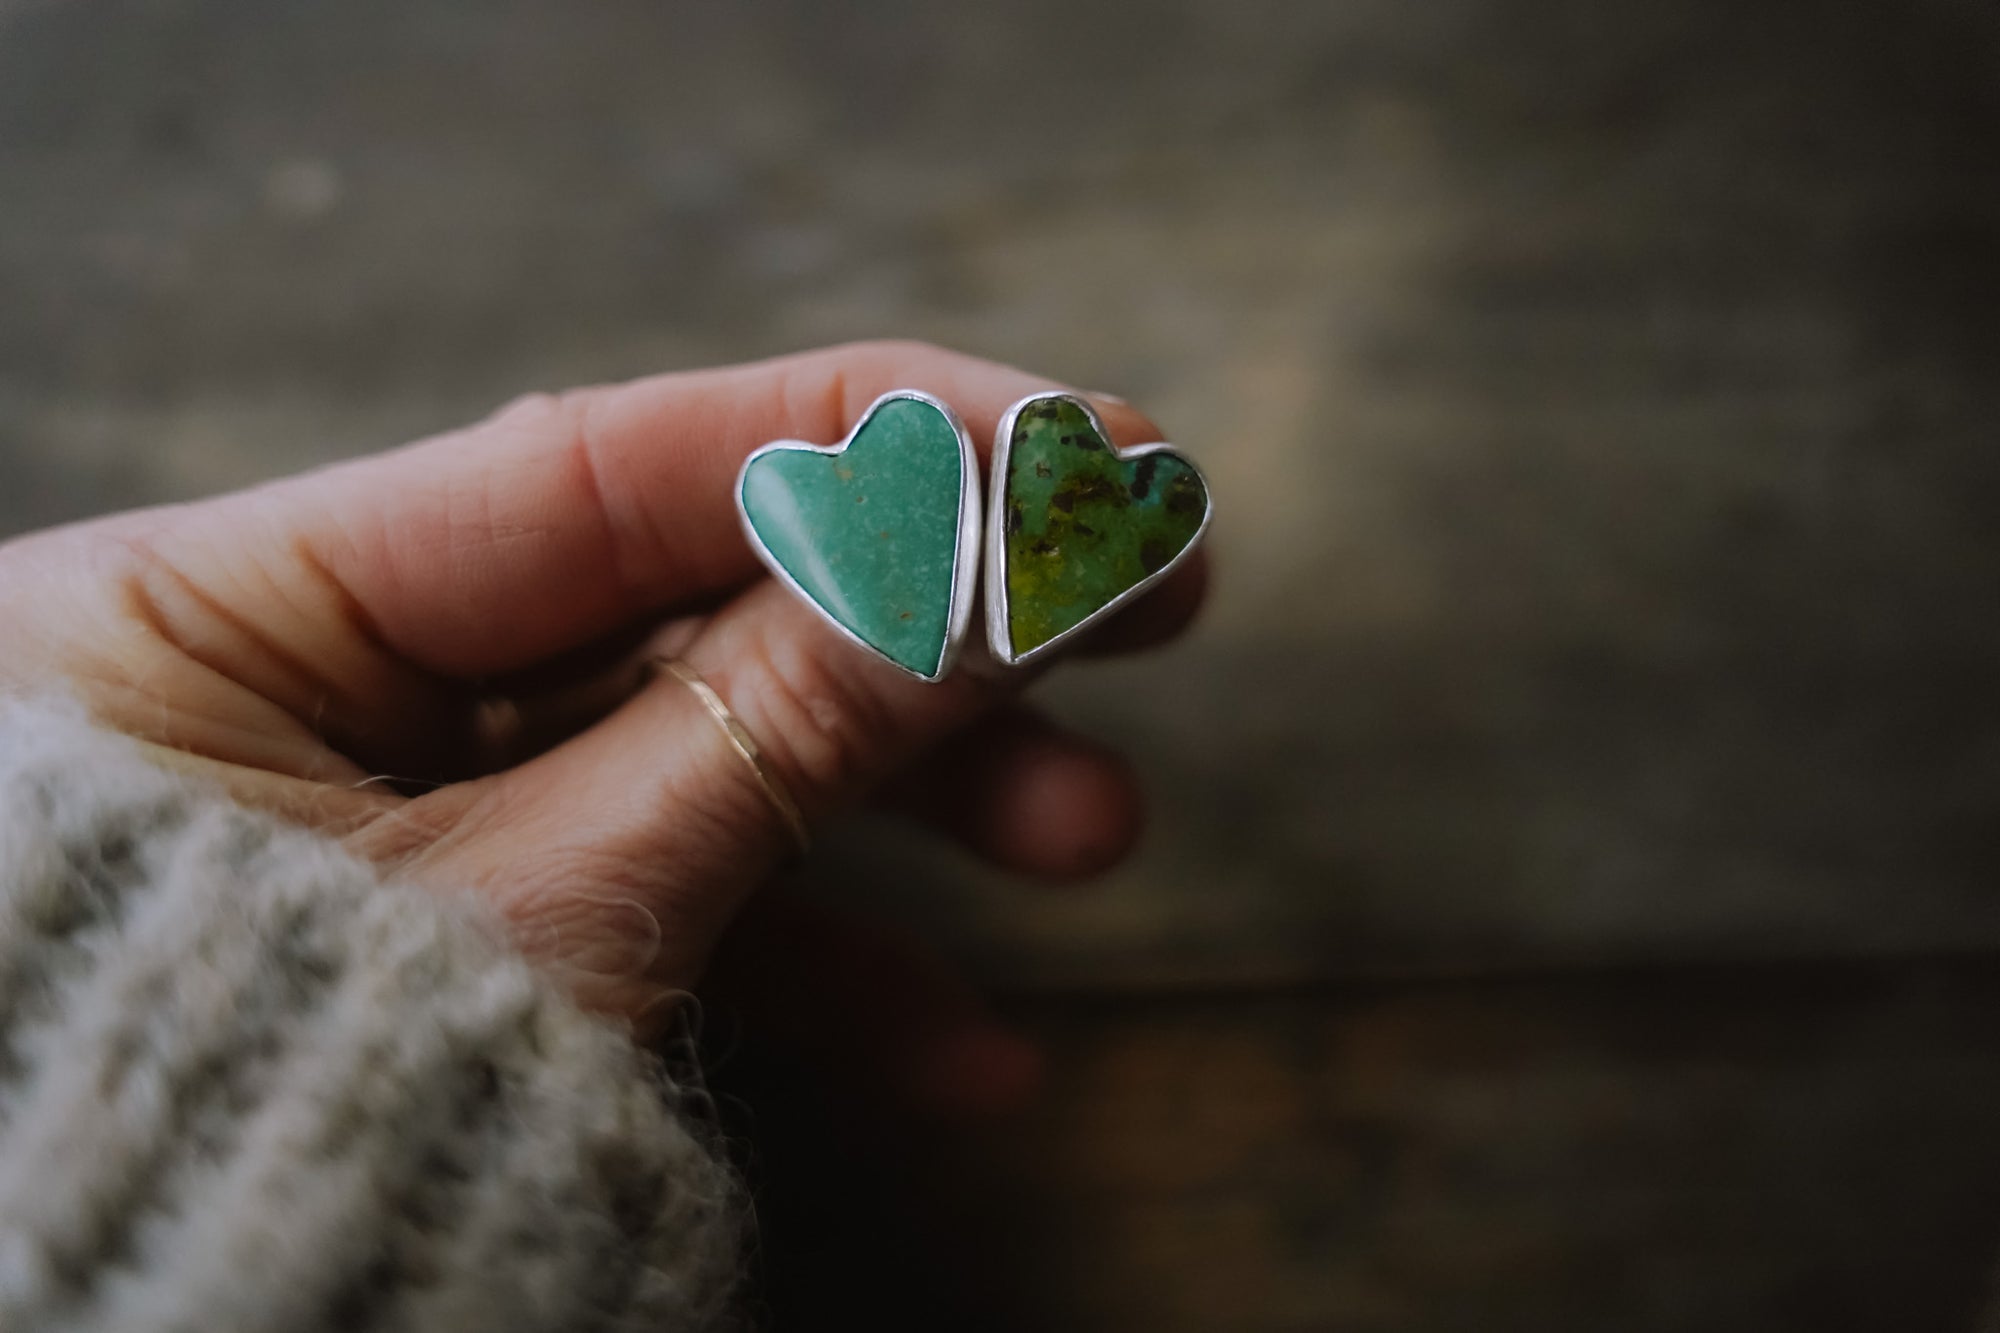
1572 895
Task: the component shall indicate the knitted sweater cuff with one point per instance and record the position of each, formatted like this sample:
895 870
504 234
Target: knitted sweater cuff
244 1084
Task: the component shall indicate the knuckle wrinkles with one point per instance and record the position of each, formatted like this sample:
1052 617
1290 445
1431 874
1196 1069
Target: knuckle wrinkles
403 836
824 722
711 822
614 872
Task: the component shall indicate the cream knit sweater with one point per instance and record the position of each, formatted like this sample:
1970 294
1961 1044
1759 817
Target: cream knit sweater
246 1085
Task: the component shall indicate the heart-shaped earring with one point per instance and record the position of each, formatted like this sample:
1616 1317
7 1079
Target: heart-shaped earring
1077 527
879 533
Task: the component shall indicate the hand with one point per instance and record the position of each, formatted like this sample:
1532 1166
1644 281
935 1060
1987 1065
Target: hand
433 654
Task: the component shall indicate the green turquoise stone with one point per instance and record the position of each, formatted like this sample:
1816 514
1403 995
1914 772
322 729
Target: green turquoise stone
1083 525
869 534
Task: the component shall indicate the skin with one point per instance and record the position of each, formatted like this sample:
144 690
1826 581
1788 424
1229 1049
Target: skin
433 654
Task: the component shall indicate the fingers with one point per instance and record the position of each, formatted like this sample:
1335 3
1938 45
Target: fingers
366 596
832 719
488 549
620 854
616 858
1027 795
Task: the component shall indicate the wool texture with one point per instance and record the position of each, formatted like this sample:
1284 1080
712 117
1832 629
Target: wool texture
247 1085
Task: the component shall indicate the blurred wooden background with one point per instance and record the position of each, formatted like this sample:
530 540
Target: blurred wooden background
1572 896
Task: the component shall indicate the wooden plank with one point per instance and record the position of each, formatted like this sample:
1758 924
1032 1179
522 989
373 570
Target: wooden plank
1805 1150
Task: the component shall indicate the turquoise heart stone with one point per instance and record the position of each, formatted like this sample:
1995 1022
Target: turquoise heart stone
1082 526
870 533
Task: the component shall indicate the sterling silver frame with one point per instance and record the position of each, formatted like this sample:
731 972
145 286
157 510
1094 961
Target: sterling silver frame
999 638
965 558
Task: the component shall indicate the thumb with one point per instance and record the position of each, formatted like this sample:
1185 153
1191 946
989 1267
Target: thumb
620 855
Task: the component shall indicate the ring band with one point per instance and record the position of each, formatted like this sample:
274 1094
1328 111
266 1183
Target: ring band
744 744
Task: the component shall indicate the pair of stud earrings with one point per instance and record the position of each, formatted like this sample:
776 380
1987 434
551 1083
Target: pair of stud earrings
880 533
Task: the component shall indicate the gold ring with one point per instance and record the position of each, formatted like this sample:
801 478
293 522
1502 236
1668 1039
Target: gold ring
744 744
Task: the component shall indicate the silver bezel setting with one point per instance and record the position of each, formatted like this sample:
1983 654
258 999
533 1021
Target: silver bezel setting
999 638
965 556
